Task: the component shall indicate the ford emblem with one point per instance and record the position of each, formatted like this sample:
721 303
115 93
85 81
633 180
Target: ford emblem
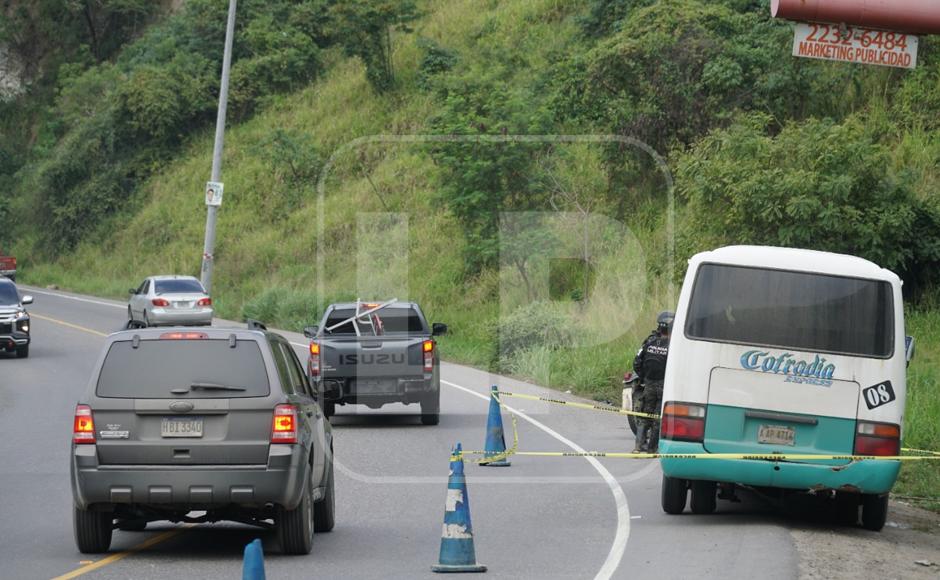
181 406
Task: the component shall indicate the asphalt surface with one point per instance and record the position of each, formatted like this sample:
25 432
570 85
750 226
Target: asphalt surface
539 518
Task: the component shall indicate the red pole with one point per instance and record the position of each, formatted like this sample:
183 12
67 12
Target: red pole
910 16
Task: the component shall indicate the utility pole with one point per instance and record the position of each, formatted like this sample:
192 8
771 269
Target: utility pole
213 205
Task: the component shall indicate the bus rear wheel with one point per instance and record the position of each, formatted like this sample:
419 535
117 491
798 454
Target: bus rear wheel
675 493
874 511
704 497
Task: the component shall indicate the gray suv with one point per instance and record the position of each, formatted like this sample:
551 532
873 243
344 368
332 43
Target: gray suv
216 420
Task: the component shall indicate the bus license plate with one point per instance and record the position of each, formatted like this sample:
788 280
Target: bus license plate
776 435
181 427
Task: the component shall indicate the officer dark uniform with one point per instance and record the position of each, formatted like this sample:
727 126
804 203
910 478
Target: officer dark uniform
650 365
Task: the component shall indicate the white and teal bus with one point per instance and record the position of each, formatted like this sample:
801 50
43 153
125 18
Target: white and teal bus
779 351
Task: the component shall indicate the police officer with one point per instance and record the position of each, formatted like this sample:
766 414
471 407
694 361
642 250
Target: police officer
650 365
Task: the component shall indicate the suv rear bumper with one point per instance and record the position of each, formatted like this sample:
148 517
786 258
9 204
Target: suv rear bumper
190 486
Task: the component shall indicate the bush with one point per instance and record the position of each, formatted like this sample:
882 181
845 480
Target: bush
535 325
817 184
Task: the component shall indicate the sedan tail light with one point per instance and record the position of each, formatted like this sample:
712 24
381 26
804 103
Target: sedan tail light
83 431
160 302
683 422
877 439
284 427
204 302
427 347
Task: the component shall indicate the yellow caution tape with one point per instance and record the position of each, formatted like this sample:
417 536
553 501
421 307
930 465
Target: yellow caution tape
774 457
606 408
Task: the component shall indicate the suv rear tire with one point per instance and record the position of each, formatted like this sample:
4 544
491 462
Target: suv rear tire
22 351
324 512
674 494
295 526
93 530
431 409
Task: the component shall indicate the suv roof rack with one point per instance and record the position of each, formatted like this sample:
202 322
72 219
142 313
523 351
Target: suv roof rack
255 324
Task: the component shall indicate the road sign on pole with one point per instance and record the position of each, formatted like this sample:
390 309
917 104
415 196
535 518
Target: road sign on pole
213 209
855 44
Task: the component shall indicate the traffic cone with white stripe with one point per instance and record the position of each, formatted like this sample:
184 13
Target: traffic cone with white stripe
495 444
253 565
457 552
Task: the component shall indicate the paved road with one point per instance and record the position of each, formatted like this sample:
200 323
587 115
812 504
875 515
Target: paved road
540 518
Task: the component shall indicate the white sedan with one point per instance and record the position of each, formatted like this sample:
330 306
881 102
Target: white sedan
169 301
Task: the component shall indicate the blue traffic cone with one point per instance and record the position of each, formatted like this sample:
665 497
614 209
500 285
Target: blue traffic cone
495 438
253 567
457 553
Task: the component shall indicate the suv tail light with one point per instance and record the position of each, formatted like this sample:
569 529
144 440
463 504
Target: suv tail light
84 426
427 347
160 302
683 422
204 302
184 336
882 439
314 359
284 427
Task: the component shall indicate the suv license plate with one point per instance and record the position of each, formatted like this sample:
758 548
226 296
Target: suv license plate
181 427
776 435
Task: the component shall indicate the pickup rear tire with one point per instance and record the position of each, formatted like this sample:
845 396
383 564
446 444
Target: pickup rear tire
431 409
324 512
329 408
675 492
93 530
22 351
295 526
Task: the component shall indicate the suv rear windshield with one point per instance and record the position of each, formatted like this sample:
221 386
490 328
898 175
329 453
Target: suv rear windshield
795 310
156 367
385 321
178 287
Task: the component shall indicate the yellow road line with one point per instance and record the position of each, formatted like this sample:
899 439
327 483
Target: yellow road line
134 549
68 324
121 555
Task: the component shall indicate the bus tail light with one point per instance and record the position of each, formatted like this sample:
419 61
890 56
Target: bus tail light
683 422
877 439
284 427
427 347
83 431
314 363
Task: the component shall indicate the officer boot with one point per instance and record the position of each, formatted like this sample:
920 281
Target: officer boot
641 429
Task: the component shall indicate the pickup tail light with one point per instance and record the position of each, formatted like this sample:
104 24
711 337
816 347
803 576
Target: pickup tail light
204 302
284 426
427 347
314 363
683 422
877 439
160 302
83 431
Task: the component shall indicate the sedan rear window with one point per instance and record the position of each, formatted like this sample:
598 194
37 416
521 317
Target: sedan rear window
178 287
174 369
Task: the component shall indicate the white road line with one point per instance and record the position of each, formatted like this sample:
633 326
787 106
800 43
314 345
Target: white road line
619 545
76 298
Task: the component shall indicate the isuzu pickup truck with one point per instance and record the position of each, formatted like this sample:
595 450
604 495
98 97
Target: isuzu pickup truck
374 354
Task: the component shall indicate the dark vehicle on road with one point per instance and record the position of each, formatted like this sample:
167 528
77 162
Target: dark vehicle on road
375 354
14 320
230 428
7 266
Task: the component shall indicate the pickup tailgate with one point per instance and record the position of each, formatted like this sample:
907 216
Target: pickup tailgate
372 357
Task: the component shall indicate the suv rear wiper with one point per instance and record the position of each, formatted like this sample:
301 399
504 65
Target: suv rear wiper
208 387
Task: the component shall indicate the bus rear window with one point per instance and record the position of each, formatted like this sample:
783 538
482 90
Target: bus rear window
792 310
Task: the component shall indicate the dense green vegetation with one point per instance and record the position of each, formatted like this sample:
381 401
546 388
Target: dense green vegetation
103 160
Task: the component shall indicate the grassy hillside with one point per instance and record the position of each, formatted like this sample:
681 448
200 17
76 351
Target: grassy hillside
763 149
